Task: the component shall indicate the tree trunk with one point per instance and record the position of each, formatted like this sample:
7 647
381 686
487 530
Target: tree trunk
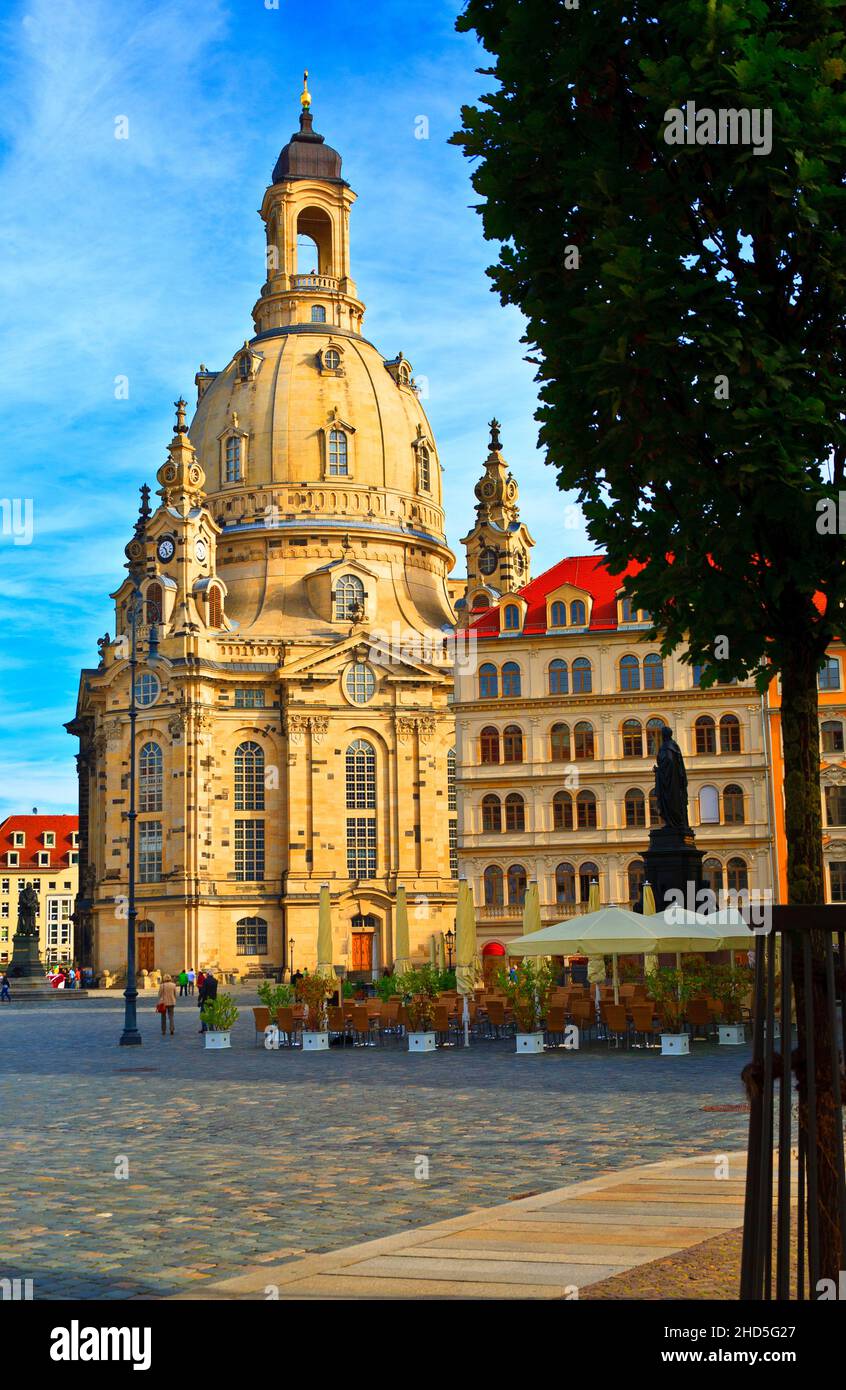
803 827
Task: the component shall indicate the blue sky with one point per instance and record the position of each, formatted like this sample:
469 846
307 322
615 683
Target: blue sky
142 257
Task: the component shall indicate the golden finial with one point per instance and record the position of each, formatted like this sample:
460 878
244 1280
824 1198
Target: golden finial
305 99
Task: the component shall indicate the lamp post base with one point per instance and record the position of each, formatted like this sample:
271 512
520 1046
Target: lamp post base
130 1038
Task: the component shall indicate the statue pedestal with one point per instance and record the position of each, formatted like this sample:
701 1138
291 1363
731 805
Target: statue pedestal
26 962
673 862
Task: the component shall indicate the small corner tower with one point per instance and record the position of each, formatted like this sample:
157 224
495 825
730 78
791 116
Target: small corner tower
498 546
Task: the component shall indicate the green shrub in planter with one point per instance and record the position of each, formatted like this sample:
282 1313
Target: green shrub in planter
219 1014
275 996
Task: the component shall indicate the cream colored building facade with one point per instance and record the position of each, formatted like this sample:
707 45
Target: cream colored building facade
557 729
42 850
295 723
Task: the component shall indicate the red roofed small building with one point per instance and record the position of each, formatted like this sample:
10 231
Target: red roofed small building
558 722
42 850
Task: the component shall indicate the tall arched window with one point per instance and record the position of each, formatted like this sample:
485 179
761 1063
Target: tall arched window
150 777
488 681
582 676
565 884
737 875
653 737
733 805
588 874
361 776
510 679
251 936
586 811
154 604
492 881
709 806
562 811
512 744
653 672
215 607
705 731
729 734
361 799
512 622
517 884
829 676
515 812
712 874
559 743
632 738
629 673
558 682
635 808
655 817
558 614
583 740
318 313
338 457
452 801
491 813
232 470
577 613
249 777
489 745
635 875
349 598
424 470
832 736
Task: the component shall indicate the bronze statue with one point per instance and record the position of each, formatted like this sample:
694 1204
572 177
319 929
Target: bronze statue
671 783
28 911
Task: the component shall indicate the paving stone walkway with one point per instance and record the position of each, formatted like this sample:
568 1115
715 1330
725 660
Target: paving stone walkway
232 1159
553 1246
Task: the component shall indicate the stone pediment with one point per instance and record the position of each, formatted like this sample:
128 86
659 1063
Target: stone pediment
374 649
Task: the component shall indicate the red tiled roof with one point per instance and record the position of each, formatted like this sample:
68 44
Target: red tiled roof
586 572
34 828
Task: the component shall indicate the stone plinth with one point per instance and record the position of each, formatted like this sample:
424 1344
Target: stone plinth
673 862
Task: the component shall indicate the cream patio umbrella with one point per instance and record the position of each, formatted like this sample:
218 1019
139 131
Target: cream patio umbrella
531 909
467 964
612 931
402 953
650 963
596 964
433 951
441 952
324 934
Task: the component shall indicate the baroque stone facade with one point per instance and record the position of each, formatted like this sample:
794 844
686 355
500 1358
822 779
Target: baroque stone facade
288 734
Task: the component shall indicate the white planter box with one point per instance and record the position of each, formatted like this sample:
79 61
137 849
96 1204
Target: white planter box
216 1039
731 1034
675 1044
421 1042
315 1042
530 1042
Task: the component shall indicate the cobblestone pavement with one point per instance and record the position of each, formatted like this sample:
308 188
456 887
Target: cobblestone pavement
235 1158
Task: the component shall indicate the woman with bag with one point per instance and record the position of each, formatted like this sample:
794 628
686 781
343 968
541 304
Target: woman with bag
167 1002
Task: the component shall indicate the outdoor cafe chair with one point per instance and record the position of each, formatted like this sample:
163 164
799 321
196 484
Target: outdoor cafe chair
262 1021
700 1017
441 1025
616 1022
363 1027
556 1025
645 1023
289 1024
583 1014
337 1023
496 1018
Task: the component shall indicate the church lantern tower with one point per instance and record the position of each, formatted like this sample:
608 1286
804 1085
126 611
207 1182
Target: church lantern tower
498 547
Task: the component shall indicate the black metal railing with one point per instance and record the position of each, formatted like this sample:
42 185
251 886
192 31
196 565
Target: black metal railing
794 1228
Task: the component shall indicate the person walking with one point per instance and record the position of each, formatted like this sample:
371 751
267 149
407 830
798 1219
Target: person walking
167 1002
207 992
191 978
183 981
5 992
70 982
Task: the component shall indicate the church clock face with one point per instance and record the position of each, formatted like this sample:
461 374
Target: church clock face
165 549
201 551
519 563
488 560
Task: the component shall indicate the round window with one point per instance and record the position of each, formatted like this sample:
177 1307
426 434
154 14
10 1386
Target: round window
332 359
488 561
146 689
360 683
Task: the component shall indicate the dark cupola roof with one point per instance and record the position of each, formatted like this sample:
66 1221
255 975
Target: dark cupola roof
307 156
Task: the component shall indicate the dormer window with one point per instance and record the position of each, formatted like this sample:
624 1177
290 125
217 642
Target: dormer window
511 617
558 614
577 613
424 470
43 859
18 838
74 838
244 365
215 607
338 462
348 598
233 459
332 359
12 858
318 313
49 839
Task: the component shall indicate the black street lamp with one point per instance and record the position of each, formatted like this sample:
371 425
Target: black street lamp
290 958
449 942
